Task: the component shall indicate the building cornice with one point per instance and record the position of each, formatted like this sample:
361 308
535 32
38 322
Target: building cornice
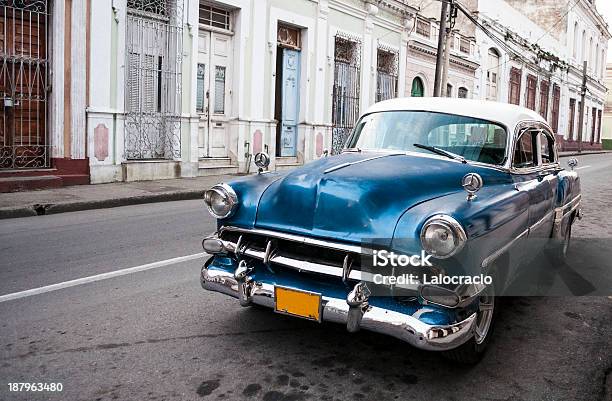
428 50
401 7
600 22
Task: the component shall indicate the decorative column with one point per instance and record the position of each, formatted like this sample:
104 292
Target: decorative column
321 64
407 26
366 59
57 80
78 87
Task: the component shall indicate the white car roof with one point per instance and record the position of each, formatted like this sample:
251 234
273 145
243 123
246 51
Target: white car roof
508 114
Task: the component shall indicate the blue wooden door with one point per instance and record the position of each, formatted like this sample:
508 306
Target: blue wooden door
290 102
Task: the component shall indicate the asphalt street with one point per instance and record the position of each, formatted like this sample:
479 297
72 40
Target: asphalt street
155 334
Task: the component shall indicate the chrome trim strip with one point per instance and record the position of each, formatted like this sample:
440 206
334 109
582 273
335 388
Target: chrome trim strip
570 204
399 325
541 221
561 214
343 165
556 227
301 265
295 238
503 249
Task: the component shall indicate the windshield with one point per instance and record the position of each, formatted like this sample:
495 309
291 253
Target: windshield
474 139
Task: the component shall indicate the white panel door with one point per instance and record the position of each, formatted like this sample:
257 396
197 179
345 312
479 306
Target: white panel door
214 92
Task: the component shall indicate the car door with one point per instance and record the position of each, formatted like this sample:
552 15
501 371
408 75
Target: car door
541 229
527 171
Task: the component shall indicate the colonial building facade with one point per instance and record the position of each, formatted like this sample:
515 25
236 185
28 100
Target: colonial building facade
606 132
124 90
526 52
42 85
182 88
540 66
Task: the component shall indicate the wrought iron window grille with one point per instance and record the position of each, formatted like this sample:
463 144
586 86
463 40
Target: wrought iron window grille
24 84
387 66
346 89
153 80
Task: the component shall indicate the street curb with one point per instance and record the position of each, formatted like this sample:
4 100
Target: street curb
596 152
55 208
19 211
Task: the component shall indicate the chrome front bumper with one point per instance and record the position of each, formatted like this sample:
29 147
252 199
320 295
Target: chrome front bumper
354 315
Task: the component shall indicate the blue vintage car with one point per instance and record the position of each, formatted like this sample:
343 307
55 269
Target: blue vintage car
474 187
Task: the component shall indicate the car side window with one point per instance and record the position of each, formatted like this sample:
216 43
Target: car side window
547 149
524 155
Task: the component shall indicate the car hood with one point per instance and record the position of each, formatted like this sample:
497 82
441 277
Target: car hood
358 197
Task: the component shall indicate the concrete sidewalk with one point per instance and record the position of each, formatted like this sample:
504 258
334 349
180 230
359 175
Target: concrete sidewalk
584 152
85 197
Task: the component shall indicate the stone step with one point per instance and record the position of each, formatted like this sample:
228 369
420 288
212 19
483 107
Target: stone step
217 170
14 184
214 161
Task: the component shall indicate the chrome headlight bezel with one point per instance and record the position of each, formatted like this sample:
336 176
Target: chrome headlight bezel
228 194
448 222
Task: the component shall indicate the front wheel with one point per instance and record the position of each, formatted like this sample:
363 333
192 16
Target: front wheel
472 351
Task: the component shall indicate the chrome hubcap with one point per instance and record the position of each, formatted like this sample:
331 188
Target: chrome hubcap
484 316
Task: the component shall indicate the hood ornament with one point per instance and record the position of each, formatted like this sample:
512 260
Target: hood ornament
472 183
262 161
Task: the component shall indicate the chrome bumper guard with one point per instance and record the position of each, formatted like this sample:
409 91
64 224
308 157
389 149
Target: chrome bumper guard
354 312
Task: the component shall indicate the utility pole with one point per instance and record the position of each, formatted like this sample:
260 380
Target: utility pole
452 13
445 63
582 95
441 37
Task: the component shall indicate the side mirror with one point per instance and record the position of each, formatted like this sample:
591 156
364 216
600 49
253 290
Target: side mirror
572 163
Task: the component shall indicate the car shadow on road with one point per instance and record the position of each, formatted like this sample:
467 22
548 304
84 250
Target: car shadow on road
323 361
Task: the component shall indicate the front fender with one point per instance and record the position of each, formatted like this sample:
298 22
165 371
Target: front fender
249 190
498 215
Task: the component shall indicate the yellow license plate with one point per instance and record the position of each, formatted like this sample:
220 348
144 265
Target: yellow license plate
298 303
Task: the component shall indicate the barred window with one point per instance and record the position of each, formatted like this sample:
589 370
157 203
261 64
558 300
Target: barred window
219 89
386 77
200 95
544 85
464 46
572 121
532 83
555 108
288 37
159 7
215 17
515 86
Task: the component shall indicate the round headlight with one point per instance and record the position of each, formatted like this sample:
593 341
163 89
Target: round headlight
442 236
221 201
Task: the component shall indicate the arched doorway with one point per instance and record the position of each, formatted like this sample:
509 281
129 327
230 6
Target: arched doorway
418 89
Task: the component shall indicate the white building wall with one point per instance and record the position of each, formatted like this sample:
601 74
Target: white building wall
251 88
